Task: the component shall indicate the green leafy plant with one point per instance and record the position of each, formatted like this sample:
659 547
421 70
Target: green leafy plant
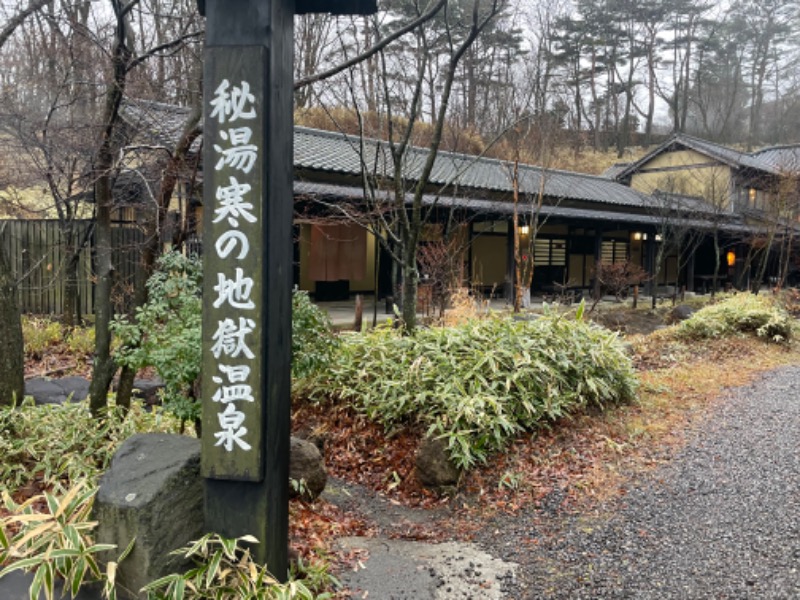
510 480
40 335
166 333
81 341
481 383
225 569
54 544
53 445
313 341
738 314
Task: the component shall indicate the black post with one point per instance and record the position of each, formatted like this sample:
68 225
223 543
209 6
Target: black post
650 262
248 206
248 272
598 257
511 265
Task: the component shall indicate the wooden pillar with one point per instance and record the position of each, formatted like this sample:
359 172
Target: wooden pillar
598 257
470 254
248 267
690 272
650 262
247 200
511 265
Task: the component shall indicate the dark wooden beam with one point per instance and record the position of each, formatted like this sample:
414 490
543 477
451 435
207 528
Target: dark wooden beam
248 272
336 7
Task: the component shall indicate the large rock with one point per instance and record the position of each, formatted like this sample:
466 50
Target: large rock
146 390
680 313
57 391
152 492
434 468
306 470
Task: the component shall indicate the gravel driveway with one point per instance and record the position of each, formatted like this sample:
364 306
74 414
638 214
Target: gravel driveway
721 520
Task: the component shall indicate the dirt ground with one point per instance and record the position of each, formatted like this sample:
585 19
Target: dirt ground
630 321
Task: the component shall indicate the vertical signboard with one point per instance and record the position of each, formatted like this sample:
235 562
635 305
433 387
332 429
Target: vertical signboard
247 272
233 357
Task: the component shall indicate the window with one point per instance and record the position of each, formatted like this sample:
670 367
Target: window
550 253
614 251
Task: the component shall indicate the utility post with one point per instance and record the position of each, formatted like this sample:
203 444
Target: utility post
247 265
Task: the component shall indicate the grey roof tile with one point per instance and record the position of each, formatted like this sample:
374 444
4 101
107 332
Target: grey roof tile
729 156
785 159
339 153
500 208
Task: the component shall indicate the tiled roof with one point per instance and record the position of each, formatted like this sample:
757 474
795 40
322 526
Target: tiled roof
156 123
495 207
337 153
614 170
775 161
331 152
724 154
785 159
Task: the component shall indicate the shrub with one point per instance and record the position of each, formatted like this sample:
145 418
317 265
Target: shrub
741 313
51 536
54 544
617 278
44 337
40 335
224 568
481 383
81 341
55 444
167 332
313 342
62 450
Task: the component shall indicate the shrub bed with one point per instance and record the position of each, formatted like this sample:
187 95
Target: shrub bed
739 314
480 384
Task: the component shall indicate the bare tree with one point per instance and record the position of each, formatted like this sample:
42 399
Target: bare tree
12 363
397 177
17 18
123 61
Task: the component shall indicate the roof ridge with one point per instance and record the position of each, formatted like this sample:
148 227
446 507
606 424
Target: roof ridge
444 153
775 147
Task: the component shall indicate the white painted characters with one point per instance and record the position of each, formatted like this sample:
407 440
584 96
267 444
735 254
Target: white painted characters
236 218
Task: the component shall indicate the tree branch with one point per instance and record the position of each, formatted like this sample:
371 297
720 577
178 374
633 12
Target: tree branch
16 21
372 50
166 46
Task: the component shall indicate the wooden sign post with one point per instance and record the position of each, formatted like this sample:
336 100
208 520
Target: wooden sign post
247 228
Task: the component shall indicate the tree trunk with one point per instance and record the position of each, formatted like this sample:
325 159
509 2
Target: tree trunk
410 280
12 359
104 364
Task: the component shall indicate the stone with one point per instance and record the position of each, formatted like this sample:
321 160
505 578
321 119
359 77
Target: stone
307 468
680 313
57 391
434 469
152 492
147 390
75 388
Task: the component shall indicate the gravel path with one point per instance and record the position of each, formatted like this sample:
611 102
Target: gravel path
721 520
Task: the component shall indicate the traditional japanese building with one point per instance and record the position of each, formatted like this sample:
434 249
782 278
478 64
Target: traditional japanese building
675 212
